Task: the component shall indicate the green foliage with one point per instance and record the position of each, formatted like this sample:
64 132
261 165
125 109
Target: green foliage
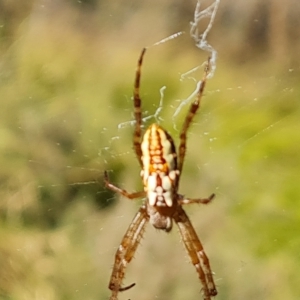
65 89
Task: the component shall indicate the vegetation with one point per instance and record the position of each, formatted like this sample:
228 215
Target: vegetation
66 82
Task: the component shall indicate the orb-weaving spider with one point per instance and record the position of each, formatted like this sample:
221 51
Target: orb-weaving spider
160 173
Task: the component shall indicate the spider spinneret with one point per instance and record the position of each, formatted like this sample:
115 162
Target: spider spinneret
160 174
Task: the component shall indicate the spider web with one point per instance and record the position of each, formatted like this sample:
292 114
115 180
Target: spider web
211 165
212 162
113 151
200 38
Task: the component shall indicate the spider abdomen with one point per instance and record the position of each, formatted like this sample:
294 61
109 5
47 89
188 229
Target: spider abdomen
159 174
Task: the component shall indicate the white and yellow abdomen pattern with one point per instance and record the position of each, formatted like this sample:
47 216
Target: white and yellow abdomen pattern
159 174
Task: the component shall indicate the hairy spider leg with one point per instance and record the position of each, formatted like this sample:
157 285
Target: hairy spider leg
189 118
126 252
124 193
138 110
183 201
196 253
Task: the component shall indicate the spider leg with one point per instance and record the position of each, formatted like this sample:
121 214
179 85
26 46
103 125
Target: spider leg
138 110
124 193
126 251
196 253
189 117
182 200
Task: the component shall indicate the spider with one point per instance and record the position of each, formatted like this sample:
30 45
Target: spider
160 174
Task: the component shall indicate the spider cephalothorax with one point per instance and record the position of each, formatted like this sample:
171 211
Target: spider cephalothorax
161 170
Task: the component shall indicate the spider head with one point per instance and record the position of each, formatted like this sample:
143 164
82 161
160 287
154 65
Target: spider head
158 219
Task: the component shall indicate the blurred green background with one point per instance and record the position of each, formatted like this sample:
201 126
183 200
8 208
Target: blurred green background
66 79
